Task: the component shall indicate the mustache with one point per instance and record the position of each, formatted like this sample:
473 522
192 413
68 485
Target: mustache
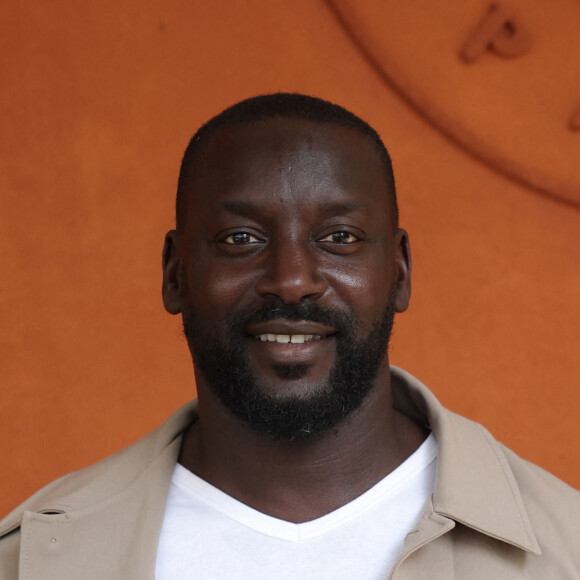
305 310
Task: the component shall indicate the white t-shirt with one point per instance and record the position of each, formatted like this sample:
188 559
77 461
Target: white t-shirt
208 535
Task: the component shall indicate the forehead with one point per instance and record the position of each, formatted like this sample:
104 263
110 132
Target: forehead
313 161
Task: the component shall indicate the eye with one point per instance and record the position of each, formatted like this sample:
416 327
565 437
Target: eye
341 237
241 239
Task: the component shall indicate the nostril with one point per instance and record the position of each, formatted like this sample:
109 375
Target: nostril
292 281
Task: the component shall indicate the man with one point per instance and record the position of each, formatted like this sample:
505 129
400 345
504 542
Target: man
305 454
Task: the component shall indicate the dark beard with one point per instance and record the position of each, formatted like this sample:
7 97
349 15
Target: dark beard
224 364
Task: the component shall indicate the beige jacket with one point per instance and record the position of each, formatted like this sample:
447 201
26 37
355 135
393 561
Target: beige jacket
492 515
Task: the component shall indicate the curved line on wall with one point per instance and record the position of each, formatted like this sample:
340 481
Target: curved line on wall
564 193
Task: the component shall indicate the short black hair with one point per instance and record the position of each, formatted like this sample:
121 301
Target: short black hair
288 105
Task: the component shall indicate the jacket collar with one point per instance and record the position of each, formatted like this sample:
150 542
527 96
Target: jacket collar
475 485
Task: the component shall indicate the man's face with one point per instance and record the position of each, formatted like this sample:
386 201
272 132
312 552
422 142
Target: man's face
290 273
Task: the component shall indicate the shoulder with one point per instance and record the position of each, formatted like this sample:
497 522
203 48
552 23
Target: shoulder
552 504
488 489
93 510
104 479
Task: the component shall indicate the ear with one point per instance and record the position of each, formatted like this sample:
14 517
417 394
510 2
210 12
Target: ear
172 288
402 270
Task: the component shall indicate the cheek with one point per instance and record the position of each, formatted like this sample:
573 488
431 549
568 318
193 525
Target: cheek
366 290
370 273
220 288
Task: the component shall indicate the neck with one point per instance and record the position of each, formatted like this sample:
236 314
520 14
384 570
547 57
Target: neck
300 481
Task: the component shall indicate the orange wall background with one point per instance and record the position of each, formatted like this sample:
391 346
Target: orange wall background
480 110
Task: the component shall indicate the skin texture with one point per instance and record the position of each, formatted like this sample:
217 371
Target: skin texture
292 211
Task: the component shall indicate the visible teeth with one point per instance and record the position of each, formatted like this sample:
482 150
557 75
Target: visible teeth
286 338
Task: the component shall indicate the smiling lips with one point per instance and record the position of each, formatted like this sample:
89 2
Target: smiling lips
289 331
285 338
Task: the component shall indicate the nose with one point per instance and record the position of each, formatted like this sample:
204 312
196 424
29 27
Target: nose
292 273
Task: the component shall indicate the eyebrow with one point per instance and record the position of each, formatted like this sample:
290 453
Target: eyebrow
333 207
239 207
339 207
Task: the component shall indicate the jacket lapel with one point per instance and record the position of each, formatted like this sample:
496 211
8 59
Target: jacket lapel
115 539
